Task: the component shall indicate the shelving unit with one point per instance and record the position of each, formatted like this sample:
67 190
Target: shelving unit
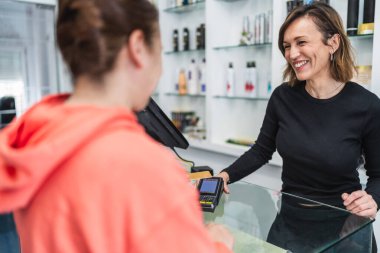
184 52
185 95
244 98
239 116
242 46
199 4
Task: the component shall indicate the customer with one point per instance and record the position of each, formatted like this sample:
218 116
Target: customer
78 171
320 122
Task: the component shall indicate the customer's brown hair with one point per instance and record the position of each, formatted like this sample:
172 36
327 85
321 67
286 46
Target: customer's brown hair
91 33
329 23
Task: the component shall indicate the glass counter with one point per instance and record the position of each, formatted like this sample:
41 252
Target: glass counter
265 220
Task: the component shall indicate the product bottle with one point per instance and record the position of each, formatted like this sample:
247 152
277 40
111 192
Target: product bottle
253 79
269 24
299 2
246 35
192 78
182 86
175 41
198 37
269 84
368 25
352 17
290 4
369 11
257 30
248 83
186 39
202 77
261 28
230 89
203 36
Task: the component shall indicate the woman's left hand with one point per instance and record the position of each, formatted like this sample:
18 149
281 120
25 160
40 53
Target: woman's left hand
360 203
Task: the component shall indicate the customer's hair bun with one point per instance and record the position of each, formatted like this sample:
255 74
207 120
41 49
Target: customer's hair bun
91 33
81 24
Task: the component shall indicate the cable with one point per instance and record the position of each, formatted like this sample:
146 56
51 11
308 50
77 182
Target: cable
191 162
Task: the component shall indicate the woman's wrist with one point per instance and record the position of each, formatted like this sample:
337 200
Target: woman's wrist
226 176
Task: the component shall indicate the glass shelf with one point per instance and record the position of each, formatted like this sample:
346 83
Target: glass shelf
361 36
228 0
187 51
243 46
185 95
186 8
242 98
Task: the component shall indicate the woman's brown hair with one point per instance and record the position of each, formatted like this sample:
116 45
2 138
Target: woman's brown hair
329 23
91 33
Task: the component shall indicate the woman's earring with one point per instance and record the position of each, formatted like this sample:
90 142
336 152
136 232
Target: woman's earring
331 56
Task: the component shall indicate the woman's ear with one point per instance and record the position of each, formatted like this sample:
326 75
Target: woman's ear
334 43
137 48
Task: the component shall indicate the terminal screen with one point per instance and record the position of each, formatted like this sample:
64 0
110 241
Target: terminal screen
209 186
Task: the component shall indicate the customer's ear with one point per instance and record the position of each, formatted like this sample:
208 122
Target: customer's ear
137 48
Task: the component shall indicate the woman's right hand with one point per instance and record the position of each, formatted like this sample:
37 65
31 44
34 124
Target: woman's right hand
220 234
226 178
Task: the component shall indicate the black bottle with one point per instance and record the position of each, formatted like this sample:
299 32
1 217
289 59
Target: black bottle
7 110
369 11
198 37
290 4
203 36
186 39
175 41
352 17
299 3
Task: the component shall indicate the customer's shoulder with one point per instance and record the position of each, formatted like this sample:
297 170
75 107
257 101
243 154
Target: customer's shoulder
137 144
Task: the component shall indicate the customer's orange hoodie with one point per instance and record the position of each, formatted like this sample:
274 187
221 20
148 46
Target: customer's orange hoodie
88 179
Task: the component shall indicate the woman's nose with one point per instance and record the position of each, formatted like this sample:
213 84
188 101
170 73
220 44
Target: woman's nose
294 53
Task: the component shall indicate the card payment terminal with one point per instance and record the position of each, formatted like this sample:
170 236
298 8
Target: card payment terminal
210 190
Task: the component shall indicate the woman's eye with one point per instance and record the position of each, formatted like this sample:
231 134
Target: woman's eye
286 47
301 42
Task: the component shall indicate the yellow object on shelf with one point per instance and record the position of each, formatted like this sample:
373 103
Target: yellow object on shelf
366 28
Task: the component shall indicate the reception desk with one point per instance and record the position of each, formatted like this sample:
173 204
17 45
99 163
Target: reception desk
264 220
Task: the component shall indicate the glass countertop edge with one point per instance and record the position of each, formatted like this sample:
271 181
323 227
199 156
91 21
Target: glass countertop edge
326 247
367 222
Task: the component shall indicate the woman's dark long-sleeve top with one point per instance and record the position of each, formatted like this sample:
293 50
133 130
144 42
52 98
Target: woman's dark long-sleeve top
320 141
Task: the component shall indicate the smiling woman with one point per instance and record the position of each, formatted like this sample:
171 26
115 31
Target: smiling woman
320 32
320 122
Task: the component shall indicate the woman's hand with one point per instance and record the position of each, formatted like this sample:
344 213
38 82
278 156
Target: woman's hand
360 203
226 178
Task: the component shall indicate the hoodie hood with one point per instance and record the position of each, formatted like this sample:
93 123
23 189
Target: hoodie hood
48 134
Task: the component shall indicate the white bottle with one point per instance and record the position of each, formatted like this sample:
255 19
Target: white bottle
230 86
254 91
262 28
269 30
202 77
192 79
